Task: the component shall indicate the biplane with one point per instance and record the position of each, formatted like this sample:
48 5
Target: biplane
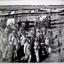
47 22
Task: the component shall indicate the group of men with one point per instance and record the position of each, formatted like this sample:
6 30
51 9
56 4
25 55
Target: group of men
24 46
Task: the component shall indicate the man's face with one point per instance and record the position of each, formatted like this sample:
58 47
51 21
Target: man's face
11 43
13 31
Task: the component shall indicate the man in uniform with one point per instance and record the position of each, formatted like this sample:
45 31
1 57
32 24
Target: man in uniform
10 52
27 50
37 48
12 37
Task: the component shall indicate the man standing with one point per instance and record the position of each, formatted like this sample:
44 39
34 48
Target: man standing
12 37
27 50
37 48
9 52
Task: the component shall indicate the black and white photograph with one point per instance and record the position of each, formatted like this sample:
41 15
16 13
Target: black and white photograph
32 33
